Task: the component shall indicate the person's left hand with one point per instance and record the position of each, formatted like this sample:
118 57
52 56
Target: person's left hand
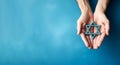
101 19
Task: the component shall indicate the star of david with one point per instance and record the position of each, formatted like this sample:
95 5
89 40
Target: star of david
92 34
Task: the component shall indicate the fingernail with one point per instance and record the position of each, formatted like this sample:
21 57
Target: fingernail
96 47
89 47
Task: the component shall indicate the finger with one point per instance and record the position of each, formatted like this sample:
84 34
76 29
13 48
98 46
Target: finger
95 42
84 39
89 41
102 36
79 26
98 38
102 28
95 46
107 27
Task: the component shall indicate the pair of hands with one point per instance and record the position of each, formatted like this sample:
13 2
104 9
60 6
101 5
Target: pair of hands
100 19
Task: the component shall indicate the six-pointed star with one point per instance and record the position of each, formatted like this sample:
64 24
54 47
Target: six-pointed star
92 35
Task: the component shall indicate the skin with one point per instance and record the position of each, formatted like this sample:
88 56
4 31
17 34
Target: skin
98 17
85 18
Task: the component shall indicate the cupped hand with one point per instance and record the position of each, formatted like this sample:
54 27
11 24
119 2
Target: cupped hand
84 19
101 19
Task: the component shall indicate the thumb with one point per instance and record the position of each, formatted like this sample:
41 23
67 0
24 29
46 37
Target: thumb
79 27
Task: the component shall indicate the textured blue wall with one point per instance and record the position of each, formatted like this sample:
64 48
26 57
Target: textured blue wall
43 32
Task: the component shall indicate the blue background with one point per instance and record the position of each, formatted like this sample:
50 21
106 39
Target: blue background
43 32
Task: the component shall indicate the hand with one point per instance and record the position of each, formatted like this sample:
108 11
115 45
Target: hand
101 19
84 19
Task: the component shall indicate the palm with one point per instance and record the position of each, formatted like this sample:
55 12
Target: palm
82 21
102 20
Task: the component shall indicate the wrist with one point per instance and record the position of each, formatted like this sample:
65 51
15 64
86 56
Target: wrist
99 12
84 6
86 10
102 5
98 15
87 13
100 9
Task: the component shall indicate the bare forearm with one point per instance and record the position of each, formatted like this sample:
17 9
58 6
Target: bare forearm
102 5
84 6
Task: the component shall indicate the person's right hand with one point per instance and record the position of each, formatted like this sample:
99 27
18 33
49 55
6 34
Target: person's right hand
84 19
